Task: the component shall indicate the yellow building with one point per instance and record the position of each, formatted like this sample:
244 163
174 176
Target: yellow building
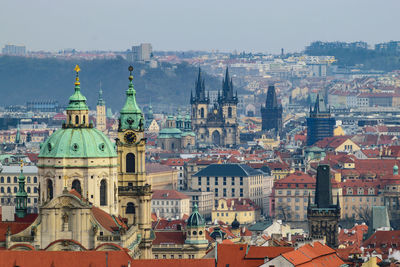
243 210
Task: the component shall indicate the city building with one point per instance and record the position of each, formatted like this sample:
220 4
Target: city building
170 204
320 124
241 210
231 181
142 52
203 200
177 164
217 126
323 216
14 50
9 185
272 112
177 134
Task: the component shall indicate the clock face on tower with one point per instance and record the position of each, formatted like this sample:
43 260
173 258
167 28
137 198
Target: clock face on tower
130 137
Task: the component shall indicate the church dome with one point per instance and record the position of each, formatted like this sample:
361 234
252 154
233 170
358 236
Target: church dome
195 219
77 143
235 224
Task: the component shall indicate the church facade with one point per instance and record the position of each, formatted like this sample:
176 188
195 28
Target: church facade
271 114
216 125
94 195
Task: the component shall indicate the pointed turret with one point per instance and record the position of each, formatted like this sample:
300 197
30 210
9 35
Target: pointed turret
18 136
227 90
200 91
131 117
22 196
271 101
100 101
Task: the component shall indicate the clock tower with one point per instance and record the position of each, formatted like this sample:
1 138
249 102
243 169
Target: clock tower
134 190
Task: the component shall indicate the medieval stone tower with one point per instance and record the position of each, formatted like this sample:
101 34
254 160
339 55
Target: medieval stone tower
323 216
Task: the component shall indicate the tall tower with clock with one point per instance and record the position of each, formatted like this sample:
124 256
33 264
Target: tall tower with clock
134 190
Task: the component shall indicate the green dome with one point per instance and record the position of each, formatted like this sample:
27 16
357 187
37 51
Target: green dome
189 133
195 219
170 133
77 143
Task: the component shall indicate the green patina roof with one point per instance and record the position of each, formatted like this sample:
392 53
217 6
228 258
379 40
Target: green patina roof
170 133
77 101
189 133
195 219
77 143
131 115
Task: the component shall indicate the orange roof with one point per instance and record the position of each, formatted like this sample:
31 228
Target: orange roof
175 263
111 223
168 194
264 252
169 237
64 258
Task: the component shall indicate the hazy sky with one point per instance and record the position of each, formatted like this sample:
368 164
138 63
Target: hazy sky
252 25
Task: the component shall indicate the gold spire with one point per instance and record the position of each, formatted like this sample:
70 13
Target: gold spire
22 165
77 69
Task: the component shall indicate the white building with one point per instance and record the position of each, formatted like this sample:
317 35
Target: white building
170 204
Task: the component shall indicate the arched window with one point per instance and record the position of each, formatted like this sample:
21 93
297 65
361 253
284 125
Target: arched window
229 112
76 119
28 189
103 193
2 179
130 162
2 190
83 120
8 179
70 119
49 189
35 190
35 179
15 179
28 180
8 189
76 184
202 112
172 146
130 208
15 189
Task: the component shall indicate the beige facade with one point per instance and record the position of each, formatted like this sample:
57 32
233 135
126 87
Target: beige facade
228 210
170 208
203 200
101 122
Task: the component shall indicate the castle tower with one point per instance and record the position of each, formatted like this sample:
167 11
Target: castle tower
272 112
101 122
323 216
199 104
134 189
320 124
22 196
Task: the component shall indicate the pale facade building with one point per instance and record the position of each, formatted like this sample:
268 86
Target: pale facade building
170 204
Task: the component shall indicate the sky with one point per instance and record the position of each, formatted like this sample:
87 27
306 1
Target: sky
252 25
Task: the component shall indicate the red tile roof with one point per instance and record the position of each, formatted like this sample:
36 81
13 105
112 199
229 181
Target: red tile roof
175 162
157 167
18 225
301 179
169 237
64 258
382 240
266 252
168 194
109 222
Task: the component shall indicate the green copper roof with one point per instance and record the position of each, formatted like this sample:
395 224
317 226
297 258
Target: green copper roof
195 219
22 196
77 101
131 117
77 143
100 101
170 133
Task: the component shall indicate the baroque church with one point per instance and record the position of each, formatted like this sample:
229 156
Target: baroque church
94 195
215 124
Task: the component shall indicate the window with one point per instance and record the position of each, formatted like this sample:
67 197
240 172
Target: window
202 112
76 184
216 180
233 180
199 181
229 112
76 119
241 192
15 179
35 179
130 162
2 190
208 180
224 181
2 179
241 180
224 193
35 189
288 192
216 192
297 208
233 192
130 208
8 180
28 189
8 189
49 189
103 192
208 189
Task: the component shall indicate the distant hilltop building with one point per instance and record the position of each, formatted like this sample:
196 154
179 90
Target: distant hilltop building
142 52
14 50
43 106
272 112
217 126
320 124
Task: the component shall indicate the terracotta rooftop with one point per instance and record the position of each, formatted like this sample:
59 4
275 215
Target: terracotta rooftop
168 194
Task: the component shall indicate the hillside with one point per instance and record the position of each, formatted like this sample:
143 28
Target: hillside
23 79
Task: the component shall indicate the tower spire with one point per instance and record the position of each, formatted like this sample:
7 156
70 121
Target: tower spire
77 110
131 116
22 196
100 101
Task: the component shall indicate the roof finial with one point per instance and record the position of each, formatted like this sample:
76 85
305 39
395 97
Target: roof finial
22 165
130 73
77 70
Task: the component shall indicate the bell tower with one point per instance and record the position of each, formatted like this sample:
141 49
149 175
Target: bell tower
134 190
101 122
199 104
